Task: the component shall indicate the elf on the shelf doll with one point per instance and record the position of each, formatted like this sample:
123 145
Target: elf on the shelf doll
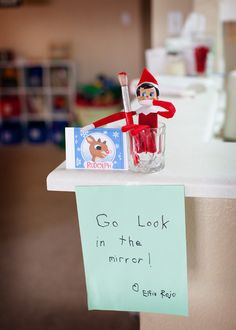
147 94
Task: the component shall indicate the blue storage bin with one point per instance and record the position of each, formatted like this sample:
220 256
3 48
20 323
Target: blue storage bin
37 131
34 76
58 131
11 132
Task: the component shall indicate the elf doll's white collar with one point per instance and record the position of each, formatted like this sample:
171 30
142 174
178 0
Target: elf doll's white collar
148 107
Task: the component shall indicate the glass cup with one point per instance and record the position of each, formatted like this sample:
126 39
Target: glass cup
147 150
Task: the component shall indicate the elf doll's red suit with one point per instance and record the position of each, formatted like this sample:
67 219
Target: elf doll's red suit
148 113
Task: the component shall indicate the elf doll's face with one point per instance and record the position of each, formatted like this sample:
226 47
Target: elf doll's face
147 95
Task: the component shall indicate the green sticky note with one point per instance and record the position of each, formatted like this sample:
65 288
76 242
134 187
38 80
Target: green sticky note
134 247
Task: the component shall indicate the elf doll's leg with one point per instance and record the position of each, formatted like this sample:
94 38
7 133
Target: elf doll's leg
137 136
145 140
151 141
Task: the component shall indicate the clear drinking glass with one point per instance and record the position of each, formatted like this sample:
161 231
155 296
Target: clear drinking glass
147 150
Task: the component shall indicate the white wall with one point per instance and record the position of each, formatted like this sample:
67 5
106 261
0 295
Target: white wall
159 15
228 10
100 42
211 250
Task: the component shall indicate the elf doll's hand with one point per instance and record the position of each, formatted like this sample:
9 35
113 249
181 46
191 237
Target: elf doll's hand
129 127
86 128
134 128
167 108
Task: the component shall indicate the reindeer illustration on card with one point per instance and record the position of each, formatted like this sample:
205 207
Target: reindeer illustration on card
97 149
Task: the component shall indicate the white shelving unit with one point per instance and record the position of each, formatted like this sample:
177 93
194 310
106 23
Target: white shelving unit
43 91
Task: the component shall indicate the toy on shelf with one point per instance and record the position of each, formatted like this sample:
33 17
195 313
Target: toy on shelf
36 104
59 76
60 104
147 138
97 99
9 77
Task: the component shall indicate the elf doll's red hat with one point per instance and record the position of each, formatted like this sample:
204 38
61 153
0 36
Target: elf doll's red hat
148 78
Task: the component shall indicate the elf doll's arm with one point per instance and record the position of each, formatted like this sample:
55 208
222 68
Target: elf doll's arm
106 120
168 106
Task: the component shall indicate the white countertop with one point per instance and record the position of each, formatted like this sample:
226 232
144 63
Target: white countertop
205 166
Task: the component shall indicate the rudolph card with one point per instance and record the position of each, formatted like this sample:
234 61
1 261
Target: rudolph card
96 149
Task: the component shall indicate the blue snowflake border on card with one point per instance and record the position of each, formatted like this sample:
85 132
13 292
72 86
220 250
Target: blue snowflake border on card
99 148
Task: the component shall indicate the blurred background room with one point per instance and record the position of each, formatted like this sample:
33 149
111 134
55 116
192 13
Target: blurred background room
58 65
